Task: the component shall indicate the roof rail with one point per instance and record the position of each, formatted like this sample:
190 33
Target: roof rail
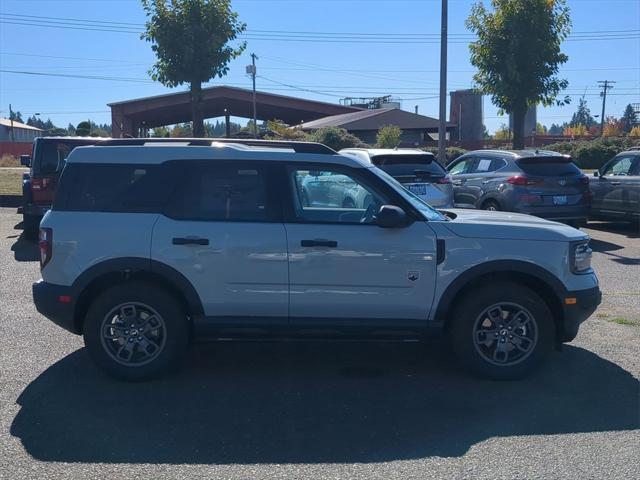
298 147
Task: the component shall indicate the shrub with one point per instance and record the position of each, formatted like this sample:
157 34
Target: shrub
592 154
336 138
8 160
451 153
388 136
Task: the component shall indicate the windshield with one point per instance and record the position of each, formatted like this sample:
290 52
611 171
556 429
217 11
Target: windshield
427 210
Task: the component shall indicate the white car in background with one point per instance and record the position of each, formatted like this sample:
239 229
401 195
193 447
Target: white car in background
418 171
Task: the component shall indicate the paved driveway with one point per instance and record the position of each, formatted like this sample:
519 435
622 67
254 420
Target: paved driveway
319 410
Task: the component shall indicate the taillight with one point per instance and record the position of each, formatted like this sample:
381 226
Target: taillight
522 180
41 183
445 179
37 183
584 179
46 246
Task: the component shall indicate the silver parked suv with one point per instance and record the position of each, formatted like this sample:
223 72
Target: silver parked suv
417 170
149 245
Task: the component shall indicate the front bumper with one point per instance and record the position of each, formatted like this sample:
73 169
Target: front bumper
577 306
57 303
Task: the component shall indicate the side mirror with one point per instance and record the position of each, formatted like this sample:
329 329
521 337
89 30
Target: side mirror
596 173
390 216
25 160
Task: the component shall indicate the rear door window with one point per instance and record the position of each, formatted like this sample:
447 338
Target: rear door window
548 167
463 166
224 191
115 188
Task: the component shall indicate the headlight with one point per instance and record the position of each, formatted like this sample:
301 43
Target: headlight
581 257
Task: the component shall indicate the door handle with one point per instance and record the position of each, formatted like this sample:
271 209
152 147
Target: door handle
614 183
190 241
457 182
319 243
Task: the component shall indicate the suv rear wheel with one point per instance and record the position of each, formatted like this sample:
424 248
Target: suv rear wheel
135 331
502 331
491 205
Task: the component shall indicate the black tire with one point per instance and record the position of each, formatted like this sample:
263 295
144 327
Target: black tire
491 205
171 337
30 226
469 323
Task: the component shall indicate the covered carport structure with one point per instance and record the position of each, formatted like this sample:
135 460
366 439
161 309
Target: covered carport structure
132 117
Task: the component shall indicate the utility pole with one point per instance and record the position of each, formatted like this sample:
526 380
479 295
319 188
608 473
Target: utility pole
251 70
13 136
442 127
605 85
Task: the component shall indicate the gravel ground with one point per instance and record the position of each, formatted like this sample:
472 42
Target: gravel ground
313 410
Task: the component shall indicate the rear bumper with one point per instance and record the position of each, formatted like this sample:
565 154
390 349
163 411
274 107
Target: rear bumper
34 210
47 298
586 302
573 213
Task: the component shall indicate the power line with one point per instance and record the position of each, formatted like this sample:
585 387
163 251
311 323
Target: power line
293 36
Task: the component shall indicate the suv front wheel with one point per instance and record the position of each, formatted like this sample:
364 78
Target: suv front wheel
135 331
502 331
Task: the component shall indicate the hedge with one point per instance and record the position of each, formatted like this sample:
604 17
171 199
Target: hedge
593 154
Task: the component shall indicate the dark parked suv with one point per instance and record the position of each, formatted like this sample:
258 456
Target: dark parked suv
39 185
542 183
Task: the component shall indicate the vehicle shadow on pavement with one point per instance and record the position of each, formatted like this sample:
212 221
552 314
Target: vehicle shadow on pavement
25 250
630 230
310 403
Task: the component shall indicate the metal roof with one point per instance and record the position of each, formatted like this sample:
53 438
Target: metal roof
7 123
374 119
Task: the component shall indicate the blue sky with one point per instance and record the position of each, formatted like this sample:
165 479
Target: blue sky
317 70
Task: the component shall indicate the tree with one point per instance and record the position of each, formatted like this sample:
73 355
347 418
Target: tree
555 129
502 133
540 129
612 127
191 41
635 131
578 130
388 136
83 129
582 116
278 130
16 117
336 138
629 118
517 55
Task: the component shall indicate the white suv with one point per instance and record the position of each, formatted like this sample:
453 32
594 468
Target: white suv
150 244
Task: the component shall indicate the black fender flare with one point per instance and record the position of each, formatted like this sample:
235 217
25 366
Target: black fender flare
498 267
132 265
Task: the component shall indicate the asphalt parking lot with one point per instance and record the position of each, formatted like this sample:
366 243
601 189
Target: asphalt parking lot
321 410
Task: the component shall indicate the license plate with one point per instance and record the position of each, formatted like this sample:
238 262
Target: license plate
418 189
560 200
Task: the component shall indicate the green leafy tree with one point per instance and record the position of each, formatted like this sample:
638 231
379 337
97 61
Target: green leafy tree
629 118
541 129
518 55
191 40
582 115
388 136
83 129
